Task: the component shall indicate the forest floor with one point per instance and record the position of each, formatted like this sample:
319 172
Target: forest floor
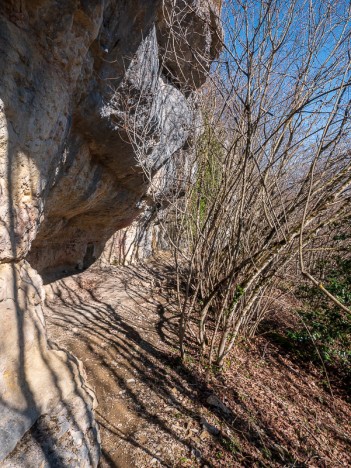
265 410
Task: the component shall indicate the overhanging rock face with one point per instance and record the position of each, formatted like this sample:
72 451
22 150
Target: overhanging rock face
74 76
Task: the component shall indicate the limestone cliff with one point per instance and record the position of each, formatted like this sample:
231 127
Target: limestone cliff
72 73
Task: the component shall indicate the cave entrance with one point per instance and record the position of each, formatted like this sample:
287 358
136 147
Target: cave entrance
89 257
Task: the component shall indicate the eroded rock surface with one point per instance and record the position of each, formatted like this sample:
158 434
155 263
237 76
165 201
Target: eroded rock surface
39 382
76 76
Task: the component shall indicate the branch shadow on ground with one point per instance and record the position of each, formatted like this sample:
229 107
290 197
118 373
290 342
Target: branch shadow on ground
140 335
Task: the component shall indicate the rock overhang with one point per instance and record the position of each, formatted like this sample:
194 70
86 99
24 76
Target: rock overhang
69 175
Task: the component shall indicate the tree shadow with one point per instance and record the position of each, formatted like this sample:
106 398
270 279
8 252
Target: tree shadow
114 332
97 319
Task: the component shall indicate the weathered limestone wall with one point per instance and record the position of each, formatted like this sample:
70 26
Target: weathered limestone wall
72 73
138 242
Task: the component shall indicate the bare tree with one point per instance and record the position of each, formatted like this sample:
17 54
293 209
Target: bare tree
271 167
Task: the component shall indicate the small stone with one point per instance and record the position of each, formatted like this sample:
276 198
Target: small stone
213 400
209 427
196 453
204 435
130 380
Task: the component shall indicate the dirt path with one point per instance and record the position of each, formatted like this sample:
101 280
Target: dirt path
114 321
